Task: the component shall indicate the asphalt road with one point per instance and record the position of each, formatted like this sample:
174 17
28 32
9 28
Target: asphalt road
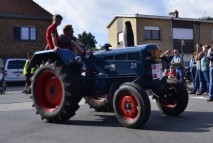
19 124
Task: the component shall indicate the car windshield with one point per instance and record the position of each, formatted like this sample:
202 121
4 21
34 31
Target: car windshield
16 64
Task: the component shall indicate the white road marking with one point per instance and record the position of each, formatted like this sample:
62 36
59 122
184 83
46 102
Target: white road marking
22 106
199 97
15 106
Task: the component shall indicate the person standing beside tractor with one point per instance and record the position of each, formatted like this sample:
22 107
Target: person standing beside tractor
177 61
166 58
192 66
52 37
28 73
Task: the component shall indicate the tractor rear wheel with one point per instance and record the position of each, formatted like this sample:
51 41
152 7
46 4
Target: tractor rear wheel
55 92
131 105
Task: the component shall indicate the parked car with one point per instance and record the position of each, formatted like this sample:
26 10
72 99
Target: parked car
13 70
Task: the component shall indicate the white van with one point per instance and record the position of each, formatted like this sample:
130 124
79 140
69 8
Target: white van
13 70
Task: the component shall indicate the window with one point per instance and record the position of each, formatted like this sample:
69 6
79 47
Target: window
24 33
17 64
108 58
152 33
134 56
182 33
120 57
120 38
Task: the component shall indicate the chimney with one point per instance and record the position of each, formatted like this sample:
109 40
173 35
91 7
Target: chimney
174 14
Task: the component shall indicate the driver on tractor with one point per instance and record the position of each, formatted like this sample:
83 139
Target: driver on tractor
68 41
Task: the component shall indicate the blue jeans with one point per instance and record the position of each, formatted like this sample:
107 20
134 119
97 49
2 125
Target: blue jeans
193 72
206 77
199 79
180 74
211 83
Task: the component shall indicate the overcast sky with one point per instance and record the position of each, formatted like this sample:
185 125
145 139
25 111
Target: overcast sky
94 15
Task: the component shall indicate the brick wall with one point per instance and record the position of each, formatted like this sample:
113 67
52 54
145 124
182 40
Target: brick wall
206 30
27 7
165 41
10 48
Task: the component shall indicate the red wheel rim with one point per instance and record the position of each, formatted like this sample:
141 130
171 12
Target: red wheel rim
49 91
128 106
171 104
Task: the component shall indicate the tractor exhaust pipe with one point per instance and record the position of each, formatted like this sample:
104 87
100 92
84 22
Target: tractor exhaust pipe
128 35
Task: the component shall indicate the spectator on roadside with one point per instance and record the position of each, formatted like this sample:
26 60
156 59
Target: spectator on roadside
68 41
177 61
200 85
28 73
205 67
52 37
166 58
1 71
210 57
192 66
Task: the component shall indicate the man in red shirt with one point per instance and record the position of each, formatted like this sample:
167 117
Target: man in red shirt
52 37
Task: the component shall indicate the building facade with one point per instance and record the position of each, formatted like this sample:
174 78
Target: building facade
23 25
169 32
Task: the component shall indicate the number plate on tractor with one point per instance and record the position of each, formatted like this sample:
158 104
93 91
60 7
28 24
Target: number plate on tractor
157 71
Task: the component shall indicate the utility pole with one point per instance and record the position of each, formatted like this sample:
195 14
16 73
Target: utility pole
182 44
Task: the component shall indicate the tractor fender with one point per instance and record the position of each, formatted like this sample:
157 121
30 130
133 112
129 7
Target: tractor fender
65 56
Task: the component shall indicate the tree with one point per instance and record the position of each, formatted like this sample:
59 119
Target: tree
206 18
87 39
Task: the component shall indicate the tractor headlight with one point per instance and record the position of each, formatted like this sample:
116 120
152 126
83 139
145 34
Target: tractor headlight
78 59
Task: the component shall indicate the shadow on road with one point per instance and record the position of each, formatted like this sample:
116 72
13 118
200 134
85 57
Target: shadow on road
15 84
101 120
187 122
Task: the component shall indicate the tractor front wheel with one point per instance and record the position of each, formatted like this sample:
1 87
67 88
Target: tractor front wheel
175 101
131 105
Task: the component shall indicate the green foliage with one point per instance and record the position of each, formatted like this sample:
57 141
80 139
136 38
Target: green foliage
206 18
87 39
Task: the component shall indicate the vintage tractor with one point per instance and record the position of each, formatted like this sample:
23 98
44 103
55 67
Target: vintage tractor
109 80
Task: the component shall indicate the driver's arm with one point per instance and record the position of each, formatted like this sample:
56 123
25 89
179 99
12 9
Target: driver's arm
77 47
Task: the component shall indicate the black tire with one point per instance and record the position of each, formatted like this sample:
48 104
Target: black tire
55 92
100 104
176 101
104 104
131 105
